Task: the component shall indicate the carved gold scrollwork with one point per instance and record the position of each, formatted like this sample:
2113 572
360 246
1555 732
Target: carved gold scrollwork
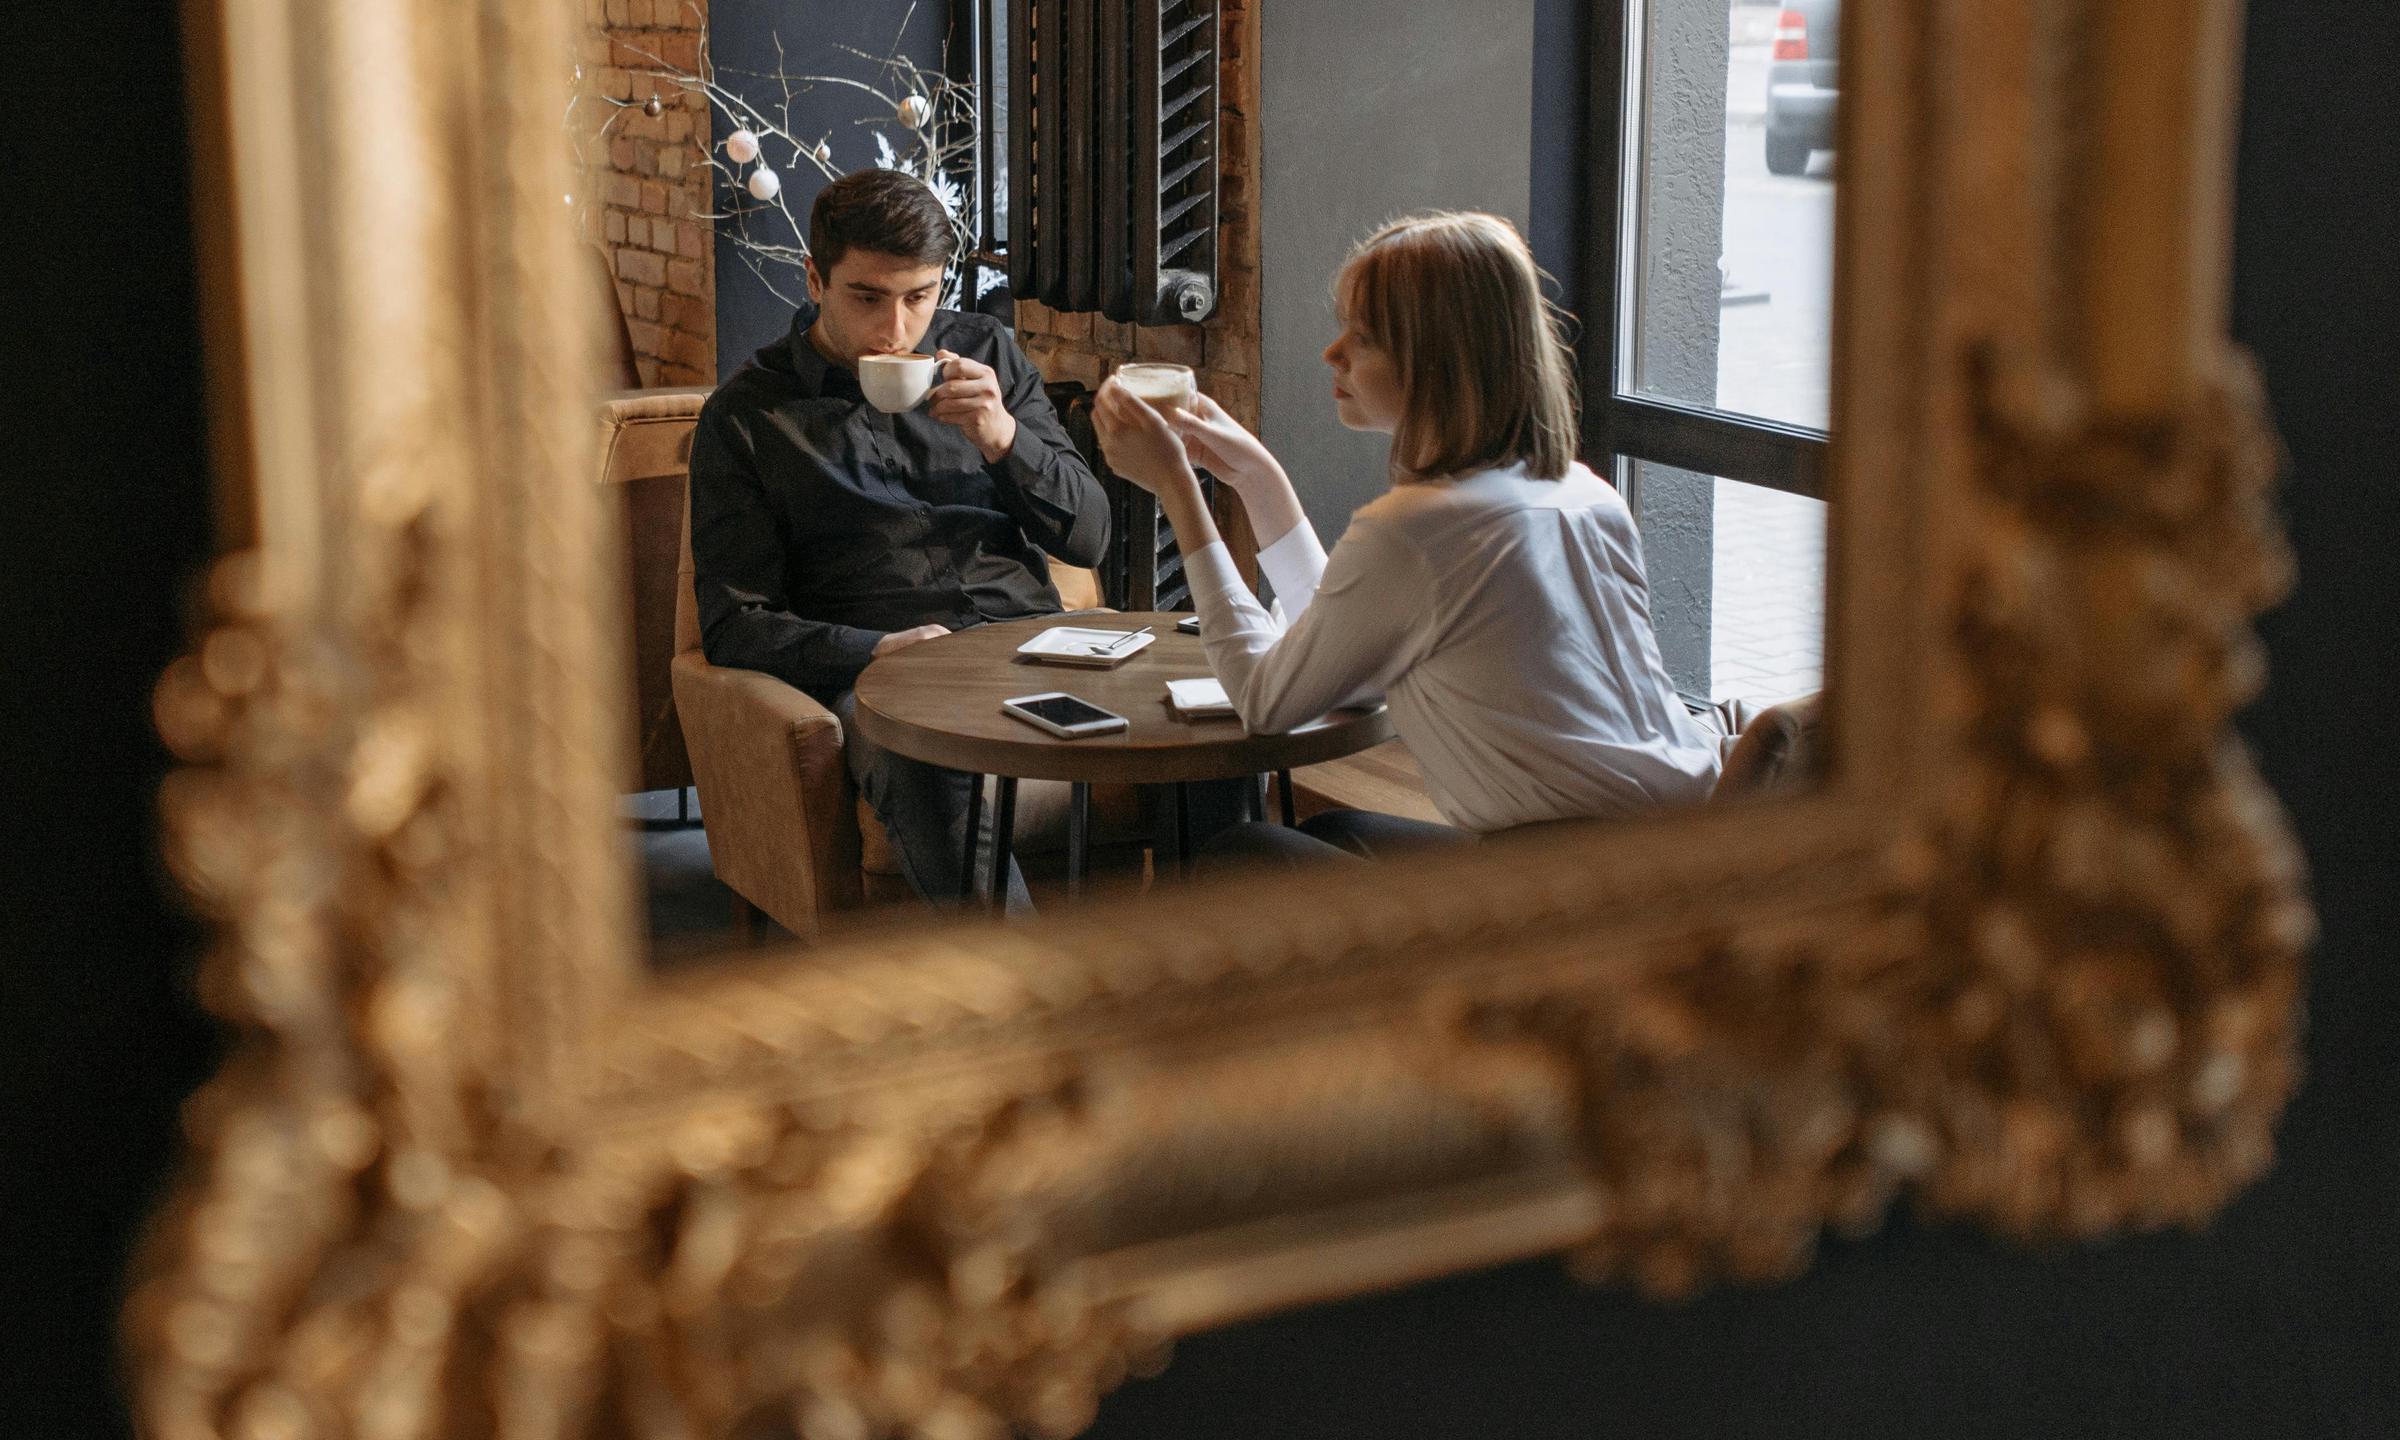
2067 1006
760 1263
2089 1020
366 1248
342 1217
2124 905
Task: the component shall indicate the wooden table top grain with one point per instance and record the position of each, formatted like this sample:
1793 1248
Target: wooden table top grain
939 701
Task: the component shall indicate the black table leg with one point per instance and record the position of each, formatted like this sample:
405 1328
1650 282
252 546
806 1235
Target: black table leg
1004 829
1254 798
1079 835
1283 787
1183 828
967 866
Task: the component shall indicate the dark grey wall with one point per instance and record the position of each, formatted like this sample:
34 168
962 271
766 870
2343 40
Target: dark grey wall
742 35
1556 204
1369 110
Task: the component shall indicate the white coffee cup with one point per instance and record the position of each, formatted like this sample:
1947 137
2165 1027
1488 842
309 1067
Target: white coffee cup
1165 386
893 383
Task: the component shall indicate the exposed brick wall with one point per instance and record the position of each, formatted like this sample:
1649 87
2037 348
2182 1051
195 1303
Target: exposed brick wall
1223 350
650 184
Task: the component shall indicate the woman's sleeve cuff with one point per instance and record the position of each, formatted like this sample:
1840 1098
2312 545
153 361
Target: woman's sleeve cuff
1292 566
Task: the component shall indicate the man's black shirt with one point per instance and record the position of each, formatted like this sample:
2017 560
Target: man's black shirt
821 524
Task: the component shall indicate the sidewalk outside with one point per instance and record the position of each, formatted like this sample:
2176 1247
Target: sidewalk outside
1767 618
1767 623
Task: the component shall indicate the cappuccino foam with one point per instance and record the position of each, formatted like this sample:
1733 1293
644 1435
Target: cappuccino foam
1164 387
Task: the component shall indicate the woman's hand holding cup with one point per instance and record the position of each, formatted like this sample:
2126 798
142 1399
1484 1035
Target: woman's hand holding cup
1139 443
1216 442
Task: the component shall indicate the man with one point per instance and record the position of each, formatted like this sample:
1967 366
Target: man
826 533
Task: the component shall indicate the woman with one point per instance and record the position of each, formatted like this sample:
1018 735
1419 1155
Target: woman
1494 595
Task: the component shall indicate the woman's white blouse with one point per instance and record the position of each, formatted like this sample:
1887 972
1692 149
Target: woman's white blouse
1505 620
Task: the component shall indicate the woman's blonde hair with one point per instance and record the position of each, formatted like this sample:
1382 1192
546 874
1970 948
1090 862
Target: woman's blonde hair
1486 378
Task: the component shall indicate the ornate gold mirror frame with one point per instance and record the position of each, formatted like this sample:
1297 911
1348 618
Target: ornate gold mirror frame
2030 956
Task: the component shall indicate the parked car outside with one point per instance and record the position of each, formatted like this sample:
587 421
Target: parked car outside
1803 85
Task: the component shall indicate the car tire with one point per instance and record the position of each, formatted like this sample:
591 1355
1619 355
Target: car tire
1786 154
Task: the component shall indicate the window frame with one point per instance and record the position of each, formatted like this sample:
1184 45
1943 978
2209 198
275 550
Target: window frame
1619 428
975 55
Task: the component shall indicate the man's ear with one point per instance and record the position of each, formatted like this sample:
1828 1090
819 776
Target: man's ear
816 281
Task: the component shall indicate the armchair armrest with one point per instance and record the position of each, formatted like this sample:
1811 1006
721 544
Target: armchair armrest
647 434
781 811
645 450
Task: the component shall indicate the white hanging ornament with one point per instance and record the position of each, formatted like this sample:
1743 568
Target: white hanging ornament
741 147
824 152
915 111
764 183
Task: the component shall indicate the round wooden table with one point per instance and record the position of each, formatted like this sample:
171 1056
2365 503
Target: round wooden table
939 701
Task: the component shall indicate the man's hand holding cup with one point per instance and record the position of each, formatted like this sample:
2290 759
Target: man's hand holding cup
970 398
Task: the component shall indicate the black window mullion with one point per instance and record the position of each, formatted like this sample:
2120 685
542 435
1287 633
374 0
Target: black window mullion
1710 442
1602 219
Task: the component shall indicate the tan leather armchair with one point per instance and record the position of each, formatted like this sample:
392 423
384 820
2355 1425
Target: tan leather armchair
786 828
645 454
775 798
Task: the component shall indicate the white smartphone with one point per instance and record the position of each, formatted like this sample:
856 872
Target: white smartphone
1063 715
1189 624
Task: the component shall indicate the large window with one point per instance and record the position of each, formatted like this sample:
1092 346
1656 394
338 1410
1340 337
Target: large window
1709 305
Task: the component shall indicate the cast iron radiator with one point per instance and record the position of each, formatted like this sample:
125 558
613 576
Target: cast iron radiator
1112 157
1142 568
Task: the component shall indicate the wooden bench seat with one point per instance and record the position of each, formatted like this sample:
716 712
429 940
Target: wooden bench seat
1384 779
1779 752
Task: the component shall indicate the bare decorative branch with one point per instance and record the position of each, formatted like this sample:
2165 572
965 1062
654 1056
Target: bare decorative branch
936 116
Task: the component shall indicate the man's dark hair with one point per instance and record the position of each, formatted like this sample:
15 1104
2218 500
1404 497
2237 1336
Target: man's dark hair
883 211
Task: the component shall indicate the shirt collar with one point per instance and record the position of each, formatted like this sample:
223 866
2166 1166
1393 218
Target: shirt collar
808 366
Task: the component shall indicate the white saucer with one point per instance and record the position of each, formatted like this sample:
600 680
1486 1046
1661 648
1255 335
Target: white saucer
1081 645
